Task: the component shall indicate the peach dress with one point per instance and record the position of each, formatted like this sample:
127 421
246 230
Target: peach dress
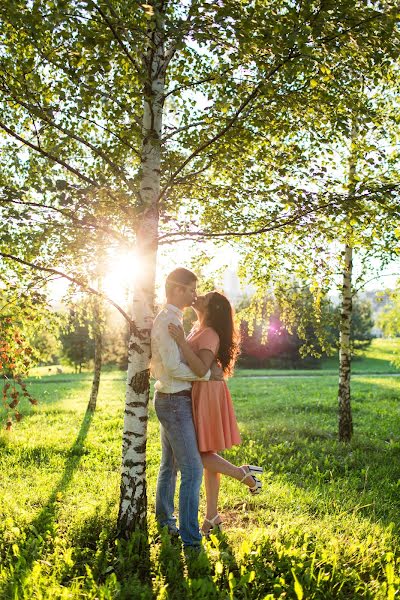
213 413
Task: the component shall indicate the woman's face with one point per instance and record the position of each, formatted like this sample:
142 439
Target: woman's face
202 302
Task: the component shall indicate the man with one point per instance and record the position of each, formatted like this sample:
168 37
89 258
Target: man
173 407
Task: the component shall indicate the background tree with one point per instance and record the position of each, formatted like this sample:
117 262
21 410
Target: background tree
77 342
361 324
389 319
23 312
289 336
46 345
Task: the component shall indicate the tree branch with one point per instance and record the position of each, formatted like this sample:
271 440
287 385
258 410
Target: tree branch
116 36
290 221
60 162
180 129
41 114
124 142
364 283
195 83
84 286
183 29
337 198
69 215
48 155
228 126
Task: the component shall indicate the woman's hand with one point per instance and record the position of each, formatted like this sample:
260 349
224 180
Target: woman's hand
176 333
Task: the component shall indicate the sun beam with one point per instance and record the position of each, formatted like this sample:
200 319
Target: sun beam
119 276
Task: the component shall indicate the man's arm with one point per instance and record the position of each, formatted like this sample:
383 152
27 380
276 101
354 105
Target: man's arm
171 357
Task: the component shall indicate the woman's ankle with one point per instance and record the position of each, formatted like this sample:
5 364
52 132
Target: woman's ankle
210 516
247 477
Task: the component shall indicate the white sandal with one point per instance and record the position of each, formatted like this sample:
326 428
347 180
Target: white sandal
256 489
213 525
255 470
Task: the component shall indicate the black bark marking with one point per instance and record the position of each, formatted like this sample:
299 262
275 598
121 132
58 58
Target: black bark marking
134 517
133 347
142 334
131 463
132 414
140 382
132 434
141 448
136 405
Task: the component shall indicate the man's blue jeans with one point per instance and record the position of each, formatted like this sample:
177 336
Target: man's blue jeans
179 452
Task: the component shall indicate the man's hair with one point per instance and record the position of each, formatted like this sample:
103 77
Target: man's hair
179 278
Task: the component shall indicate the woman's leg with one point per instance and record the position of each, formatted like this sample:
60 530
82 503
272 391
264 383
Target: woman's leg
211 482
216 464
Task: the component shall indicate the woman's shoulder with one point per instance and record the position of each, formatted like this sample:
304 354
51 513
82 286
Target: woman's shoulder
209 333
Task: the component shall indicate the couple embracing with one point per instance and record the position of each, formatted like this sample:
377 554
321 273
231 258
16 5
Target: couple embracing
194 407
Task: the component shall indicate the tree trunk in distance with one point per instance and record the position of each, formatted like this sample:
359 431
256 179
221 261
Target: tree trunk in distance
98 352
344 395
345 417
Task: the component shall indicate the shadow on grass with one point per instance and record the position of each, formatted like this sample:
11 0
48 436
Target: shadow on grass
291 568
330 473
170 568
41 532
184 574
303 568
94 554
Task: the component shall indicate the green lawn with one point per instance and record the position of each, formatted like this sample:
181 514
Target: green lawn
325 526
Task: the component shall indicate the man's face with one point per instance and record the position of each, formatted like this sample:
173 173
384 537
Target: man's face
189 294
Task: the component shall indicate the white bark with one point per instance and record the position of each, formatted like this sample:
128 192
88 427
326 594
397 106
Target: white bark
133 500
345 418
344 395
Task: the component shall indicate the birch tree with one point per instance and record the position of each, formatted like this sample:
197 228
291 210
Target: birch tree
345 416
320 249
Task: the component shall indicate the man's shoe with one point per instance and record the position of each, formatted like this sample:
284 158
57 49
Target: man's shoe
192 551
173 533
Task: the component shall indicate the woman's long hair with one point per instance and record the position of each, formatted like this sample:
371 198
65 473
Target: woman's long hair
220 318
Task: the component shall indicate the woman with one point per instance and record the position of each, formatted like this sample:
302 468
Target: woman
214 338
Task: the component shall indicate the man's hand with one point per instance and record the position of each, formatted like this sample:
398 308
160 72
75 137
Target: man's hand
217 373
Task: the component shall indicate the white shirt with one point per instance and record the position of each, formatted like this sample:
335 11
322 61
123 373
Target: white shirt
172 374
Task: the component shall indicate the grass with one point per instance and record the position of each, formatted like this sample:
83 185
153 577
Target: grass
326 524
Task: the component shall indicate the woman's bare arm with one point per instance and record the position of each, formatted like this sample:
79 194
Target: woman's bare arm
199 363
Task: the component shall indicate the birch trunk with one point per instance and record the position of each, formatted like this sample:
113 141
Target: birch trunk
133 499
345 418
344 395
98 352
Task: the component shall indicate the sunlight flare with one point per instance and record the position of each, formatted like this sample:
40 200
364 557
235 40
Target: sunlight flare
121 271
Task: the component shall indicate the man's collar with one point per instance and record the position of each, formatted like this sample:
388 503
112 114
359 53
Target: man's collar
175 309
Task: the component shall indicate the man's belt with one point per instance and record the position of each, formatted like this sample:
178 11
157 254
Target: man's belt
185 393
